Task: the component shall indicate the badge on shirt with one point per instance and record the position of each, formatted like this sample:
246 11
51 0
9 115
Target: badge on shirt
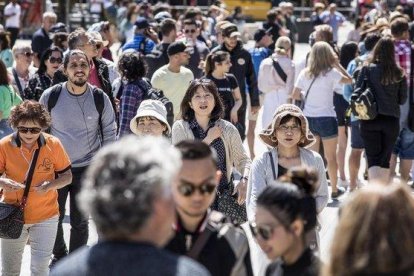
241 61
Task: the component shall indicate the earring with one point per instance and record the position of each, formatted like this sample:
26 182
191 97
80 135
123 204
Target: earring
273 139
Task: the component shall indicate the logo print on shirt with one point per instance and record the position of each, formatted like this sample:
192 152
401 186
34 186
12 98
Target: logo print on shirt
45 166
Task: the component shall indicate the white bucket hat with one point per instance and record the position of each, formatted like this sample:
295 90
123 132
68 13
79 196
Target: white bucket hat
151 108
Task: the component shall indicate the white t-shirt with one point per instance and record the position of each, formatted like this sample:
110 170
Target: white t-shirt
173 84
319 102
13 21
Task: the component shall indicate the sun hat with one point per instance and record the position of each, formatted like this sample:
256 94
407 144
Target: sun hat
97 37
151 108
267 135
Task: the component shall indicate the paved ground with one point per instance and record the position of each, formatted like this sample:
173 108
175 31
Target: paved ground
328 218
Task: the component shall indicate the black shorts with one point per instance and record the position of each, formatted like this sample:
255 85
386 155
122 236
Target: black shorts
341 106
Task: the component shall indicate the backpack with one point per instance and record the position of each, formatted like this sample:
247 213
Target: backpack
153 93
355 75
98 97
363 103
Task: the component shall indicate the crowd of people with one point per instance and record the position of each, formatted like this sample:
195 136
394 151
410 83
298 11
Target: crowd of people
147 141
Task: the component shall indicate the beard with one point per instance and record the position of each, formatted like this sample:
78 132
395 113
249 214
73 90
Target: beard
79 83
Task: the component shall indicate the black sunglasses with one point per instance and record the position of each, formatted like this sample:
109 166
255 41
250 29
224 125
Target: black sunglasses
190 31
264 231
27 54
55 60
33 130
187 189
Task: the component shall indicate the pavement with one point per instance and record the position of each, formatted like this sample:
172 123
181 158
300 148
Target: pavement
327 219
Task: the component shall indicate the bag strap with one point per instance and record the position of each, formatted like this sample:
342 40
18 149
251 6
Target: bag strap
279 70
307 92
411 88
54 96
99 101
29 178
202 239
272 164
16 79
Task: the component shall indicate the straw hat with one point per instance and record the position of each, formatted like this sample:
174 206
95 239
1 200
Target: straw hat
268 135
151 108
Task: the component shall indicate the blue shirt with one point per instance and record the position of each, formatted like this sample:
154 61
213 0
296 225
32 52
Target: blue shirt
258 55
333 20
135 44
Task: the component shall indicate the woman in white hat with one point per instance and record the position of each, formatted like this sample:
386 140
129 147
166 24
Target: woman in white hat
151 119
287 138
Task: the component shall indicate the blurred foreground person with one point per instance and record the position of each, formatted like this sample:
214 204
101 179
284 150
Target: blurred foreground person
127 190
374 235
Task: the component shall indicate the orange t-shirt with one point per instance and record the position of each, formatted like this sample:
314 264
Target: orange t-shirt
14 163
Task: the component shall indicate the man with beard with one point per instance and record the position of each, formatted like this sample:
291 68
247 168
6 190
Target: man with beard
201 233
83 131
242 68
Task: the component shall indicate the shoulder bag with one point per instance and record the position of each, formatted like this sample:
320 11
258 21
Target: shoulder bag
302 102
12 216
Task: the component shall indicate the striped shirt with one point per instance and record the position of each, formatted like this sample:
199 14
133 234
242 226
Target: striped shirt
139 41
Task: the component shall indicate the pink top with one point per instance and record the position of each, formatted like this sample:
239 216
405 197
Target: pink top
269 80
93 76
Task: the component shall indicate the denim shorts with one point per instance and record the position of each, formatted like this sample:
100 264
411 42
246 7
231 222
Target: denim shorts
404 146
324 127
356 139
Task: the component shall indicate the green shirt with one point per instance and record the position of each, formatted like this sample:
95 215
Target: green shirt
8 99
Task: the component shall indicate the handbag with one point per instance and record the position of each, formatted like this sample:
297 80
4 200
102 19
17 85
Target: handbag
363 103
12 216
228 205
301 103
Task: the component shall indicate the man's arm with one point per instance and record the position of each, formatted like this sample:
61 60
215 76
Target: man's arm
251 81
108 121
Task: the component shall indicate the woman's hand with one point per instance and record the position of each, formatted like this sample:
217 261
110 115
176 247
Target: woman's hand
212 134
241 190
233 116
10 185
44 187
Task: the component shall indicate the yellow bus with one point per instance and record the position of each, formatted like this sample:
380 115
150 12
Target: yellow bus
252 9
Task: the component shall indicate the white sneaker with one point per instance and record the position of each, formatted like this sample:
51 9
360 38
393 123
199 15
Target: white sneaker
343 183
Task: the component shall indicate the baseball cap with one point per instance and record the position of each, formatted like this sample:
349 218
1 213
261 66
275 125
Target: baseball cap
142 23
230 30
260 33
177 47
58 28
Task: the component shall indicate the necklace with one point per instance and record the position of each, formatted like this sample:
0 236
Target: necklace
27 161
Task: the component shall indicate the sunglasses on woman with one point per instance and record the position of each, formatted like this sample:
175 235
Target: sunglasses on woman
187 189
27 54
33 130
264 231
55 60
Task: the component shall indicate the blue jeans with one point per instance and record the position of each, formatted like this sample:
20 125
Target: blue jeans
5 128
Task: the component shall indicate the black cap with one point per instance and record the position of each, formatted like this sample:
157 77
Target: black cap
58 28
230 30
260 33
142 23
176 48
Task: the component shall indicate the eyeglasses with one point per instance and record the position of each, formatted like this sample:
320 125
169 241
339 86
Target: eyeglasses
33 130
55 60
187 189
264 231
190 31
98 46
27 54
285 128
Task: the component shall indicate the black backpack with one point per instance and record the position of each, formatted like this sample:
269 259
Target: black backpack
153 93
363 102
98 97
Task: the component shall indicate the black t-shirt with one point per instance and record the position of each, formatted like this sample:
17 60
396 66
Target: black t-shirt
225 88
274 32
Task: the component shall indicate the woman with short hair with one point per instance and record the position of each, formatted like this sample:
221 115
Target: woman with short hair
51 172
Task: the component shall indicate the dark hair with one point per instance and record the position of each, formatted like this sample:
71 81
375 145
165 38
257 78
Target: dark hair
4 40
75 37
30 111
383 55
167 26
399 26
218 57
4 76
132 66
59 38
348 53
196 150
190 22
292 199
71 53
358 22
371 40
288 117
272 14
45 56
209 86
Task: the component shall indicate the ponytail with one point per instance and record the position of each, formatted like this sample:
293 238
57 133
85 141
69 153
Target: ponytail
209 65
